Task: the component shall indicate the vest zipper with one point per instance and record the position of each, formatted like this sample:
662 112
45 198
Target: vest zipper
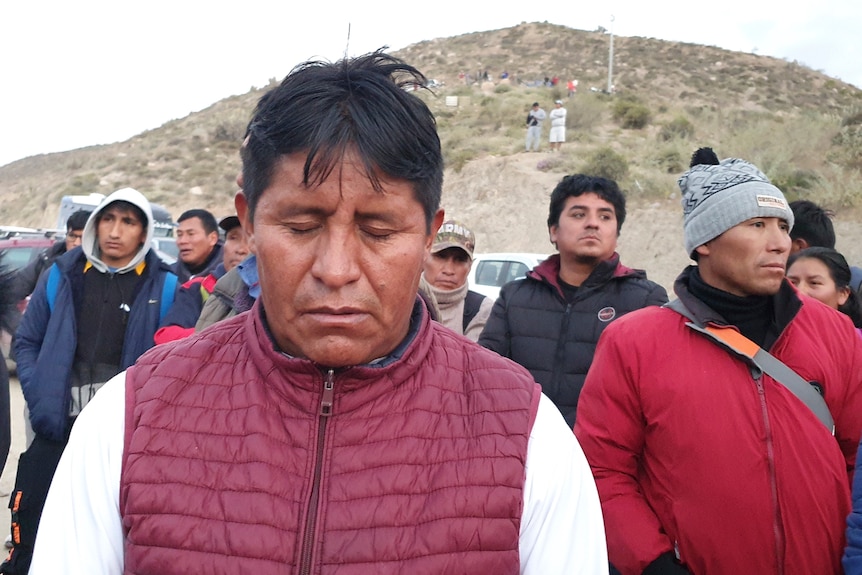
326 400
778 532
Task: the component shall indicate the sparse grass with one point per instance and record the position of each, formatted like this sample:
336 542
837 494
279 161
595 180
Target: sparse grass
584 113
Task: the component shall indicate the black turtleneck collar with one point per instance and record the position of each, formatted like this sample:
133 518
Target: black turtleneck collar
759 318
752 315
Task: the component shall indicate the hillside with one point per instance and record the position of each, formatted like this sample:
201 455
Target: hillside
800 126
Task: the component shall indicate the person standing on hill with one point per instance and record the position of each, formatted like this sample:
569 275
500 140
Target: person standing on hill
535 117
558 126
723 427
550 321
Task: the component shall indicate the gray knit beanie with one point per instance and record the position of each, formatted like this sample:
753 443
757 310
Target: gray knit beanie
717 197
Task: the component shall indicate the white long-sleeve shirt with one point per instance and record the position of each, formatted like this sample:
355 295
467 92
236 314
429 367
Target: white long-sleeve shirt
81 531
558 118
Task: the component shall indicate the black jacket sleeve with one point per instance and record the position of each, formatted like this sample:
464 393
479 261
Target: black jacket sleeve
657 296
496 335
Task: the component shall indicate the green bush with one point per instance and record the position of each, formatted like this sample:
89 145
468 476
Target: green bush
630 114
456 159
852 119
606 163
793 181
679 127
846 149
229 131
502 88
670 161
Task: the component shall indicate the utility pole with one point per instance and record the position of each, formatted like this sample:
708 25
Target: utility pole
611 58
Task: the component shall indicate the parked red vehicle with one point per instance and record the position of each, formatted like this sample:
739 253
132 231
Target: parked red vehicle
15 253
20 250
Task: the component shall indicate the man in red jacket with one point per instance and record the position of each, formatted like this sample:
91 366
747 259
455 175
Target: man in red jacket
705 463
332 429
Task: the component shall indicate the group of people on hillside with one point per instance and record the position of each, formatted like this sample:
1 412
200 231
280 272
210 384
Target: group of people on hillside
331 397
536 117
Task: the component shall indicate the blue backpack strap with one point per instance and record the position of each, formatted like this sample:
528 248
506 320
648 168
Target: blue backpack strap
169 290
53 285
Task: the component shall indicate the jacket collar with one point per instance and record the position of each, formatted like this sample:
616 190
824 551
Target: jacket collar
399 365
786 302
549 272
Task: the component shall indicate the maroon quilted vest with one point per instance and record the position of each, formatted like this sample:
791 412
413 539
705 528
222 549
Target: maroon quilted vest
238 459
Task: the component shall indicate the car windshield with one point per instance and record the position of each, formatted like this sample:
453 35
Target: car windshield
16 258
167 246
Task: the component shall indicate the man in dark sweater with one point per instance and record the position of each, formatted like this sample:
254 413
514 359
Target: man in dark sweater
198 244
550 321
26 278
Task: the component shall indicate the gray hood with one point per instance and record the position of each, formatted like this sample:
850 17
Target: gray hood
90 244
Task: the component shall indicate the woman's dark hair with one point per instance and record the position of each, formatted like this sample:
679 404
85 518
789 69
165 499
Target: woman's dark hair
839 271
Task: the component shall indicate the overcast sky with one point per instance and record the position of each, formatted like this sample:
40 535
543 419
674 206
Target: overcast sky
75 73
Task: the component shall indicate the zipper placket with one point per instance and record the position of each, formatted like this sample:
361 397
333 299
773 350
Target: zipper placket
770 457
560 351
326 400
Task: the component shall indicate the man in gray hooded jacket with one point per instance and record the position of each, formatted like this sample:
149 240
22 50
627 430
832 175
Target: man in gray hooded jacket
92 315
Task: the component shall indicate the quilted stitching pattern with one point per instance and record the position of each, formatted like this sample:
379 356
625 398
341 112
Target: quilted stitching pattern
423 459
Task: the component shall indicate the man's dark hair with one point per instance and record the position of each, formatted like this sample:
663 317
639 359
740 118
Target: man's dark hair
124 205
208 220
324 109
812 224
579 184
78 220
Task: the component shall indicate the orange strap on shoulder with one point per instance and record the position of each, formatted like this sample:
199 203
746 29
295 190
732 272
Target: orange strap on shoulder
733 339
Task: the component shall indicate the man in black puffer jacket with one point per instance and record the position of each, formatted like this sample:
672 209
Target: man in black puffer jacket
550 321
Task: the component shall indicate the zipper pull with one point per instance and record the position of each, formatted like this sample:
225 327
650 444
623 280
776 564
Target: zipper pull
328 394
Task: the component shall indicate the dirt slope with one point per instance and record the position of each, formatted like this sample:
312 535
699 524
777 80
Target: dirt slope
505 200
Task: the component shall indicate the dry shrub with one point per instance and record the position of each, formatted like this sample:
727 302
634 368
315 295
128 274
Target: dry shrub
679 127
606 163
631 114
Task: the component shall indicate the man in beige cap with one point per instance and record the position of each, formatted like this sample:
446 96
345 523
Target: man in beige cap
461 309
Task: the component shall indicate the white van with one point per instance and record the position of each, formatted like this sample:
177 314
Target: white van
490 272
